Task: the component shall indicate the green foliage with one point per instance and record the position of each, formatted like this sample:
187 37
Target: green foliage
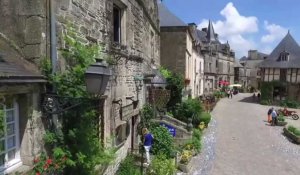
2 124
294 130
265 102
163 141
205 117
290 103
196 140
266 92
50 138
79 136
190 108
147 114
219 94
281 118
175 85
55 164
127 167
161 165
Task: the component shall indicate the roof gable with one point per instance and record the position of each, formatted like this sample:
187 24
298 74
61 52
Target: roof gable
286 45
167 18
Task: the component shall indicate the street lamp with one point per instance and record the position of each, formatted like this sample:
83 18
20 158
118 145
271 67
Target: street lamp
96 79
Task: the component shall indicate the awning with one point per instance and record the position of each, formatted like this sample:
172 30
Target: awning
235 85
223 82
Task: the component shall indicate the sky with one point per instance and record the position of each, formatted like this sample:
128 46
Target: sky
245 24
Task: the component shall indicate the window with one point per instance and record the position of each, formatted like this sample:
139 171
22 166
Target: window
9 134
209 67
217 63
284 56
117 23
122 133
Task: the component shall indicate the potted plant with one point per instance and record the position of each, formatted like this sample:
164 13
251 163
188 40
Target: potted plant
185 158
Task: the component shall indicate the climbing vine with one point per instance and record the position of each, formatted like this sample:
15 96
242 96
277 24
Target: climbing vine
78 139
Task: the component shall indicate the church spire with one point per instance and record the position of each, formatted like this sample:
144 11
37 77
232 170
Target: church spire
211 36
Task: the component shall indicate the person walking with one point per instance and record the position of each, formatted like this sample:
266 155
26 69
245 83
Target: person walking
148 142
231 92
269 115
274 117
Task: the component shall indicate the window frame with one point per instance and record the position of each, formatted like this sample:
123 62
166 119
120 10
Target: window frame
8 166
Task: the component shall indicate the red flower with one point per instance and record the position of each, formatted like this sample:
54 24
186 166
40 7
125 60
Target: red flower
46 166
49 161
36 160
37 173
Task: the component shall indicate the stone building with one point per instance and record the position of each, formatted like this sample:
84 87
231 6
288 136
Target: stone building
218 60
283 66
180 51
252 62
127 31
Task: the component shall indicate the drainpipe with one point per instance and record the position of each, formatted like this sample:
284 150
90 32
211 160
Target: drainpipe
53 54
53 49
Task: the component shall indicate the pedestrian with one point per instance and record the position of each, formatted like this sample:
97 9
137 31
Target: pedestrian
231 92
228 93
269 115
148 142
274 117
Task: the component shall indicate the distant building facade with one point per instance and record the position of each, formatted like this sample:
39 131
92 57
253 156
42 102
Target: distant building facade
283 66
252 62
180 51
218 60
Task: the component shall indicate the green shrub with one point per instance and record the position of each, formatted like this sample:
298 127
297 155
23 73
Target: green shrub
127 167
190 108
161 165
294 130
163 141
290 103
219 94
291 128
281 118
205 117
265 102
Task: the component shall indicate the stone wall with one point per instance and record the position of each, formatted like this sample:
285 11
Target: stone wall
139 34
173 48
23 23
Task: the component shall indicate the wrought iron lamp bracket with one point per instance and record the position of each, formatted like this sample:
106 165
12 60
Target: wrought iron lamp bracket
55 104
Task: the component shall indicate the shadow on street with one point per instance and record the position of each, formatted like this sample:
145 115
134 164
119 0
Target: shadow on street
250 100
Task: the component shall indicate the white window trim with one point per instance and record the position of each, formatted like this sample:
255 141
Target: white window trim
15 163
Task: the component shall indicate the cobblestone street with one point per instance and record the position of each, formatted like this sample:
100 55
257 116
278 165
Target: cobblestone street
243 144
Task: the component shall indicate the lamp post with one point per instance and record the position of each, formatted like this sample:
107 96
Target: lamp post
96 79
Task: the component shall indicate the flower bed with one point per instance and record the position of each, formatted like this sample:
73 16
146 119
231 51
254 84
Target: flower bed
292 133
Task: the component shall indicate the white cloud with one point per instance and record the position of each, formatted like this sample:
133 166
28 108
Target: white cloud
233 27
275 32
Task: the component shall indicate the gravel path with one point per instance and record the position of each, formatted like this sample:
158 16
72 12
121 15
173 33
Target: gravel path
240 142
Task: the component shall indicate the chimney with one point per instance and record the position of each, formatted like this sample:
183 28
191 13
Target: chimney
252 54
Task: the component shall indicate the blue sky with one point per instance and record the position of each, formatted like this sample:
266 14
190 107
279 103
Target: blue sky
246 24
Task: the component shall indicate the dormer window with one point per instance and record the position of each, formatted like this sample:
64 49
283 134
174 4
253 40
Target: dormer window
284 56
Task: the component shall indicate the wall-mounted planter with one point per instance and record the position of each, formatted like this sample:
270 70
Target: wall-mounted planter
291 136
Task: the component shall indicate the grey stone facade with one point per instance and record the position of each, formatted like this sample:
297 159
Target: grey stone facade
26 28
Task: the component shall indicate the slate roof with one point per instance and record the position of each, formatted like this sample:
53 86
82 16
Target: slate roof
211 36
167 18
287 44
237 64
13 73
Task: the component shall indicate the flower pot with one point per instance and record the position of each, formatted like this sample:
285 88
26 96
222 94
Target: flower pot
291 136
184 167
